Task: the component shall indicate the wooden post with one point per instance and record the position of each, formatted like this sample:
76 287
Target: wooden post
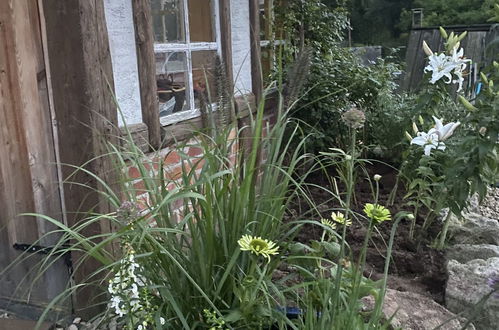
82 82
226 41
256 64
144 39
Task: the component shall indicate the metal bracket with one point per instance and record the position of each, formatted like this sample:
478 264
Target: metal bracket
47 250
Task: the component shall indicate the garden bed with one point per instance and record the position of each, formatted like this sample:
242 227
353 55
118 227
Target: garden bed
416 266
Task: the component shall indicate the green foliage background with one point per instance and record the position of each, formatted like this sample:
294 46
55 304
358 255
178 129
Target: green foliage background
387 22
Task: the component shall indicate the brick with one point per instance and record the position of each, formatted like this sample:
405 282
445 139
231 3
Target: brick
194 151
133 173
139 187
171 158
174 173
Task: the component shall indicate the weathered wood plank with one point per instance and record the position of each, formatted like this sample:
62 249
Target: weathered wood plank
226 42
144 38
82 80
28 175
256 56
16 194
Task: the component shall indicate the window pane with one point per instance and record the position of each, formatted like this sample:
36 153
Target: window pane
168 20
201 27
172 81
203 75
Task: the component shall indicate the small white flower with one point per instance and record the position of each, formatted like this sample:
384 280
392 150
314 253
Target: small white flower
429 141
162 321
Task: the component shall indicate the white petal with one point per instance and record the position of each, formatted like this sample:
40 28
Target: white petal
419 140
427 149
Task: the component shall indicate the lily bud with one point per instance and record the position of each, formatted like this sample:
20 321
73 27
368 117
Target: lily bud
377 177
348 157
410 216
427 49
484 78
421 120
443 33
466 103
462 35
482 131
408 136
491 83
495 64
415 128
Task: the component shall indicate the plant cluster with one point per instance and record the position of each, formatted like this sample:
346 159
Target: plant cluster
455 160
204 251
338 81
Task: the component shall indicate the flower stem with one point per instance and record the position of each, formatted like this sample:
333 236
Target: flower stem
350 164
445 229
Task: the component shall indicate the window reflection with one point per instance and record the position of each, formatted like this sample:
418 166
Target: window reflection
172 78
168 21
203 75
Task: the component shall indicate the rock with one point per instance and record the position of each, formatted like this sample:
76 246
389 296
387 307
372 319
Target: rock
467 252
467 285
415 312
475 229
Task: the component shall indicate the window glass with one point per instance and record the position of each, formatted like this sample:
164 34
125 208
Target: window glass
204 75
185 48
201 21
168 21
172 80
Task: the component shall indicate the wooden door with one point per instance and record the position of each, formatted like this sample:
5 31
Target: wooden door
29 180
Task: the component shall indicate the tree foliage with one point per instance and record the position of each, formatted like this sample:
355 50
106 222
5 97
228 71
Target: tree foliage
445 12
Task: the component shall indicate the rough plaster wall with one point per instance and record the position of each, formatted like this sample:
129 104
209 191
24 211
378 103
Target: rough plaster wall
241 43
124 57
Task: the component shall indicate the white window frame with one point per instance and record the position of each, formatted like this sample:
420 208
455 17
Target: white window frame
188 47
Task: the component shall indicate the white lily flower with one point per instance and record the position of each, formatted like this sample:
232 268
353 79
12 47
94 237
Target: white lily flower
429 141
440 66
444 131
460 64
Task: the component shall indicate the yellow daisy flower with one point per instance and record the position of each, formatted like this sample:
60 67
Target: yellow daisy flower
340 218
376 212
258 246
328 223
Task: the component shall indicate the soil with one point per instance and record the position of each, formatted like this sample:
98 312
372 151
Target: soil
415 267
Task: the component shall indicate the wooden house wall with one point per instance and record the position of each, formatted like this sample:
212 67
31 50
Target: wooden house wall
29 180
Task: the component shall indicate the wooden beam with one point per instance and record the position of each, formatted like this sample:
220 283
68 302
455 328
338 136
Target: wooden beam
144 38
82 82
256 56
226 41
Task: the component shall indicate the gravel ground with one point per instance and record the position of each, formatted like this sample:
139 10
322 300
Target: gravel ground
490 205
